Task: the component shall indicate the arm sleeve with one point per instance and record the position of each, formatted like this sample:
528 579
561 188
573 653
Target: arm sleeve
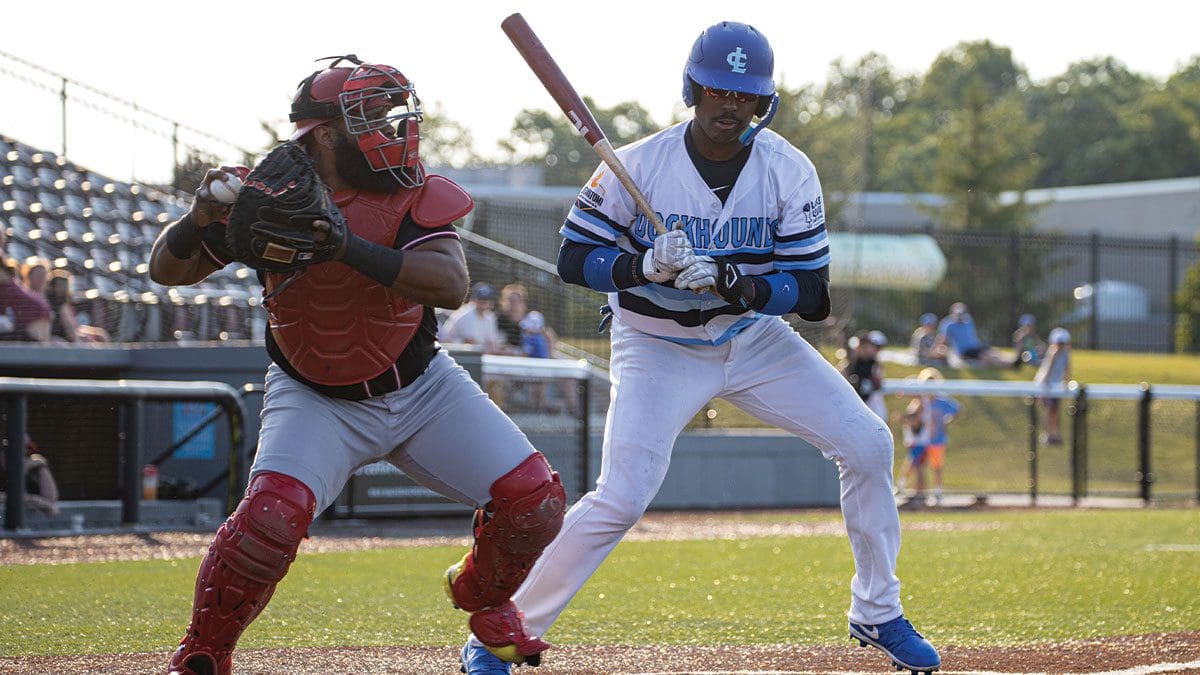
602 268
804 292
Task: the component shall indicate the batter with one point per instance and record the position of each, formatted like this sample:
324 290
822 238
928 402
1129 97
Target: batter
696 314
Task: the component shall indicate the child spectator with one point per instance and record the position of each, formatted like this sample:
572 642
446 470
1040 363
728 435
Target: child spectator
1027 344
925 422
534 341
863 370
927 345
1054 372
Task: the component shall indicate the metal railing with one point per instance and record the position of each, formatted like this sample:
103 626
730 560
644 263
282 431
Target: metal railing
1081 398
133 395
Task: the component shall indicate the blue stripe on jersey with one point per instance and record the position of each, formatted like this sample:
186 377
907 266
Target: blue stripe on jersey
668 297
800 235
815 264
801 244
729 334
579 235
594 220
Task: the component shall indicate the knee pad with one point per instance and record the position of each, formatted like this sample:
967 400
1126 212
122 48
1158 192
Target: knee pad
527 508
250 554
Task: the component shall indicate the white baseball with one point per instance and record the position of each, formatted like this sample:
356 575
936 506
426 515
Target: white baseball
225 190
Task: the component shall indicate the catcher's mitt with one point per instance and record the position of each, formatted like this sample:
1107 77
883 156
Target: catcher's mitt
272 223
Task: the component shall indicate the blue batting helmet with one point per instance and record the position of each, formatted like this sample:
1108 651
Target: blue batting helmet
732 56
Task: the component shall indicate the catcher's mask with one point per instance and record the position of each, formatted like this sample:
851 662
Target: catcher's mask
381 110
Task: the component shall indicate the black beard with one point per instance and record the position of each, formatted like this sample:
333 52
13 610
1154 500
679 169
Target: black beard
352 166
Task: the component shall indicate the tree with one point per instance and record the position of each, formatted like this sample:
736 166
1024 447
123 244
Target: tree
984 151
1187 304
446 142
190 171
1082 136
539 136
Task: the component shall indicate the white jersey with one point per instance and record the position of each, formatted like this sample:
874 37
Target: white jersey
773 219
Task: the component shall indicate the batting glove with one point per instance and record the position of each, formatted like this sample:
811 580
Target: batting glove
672 252
721 275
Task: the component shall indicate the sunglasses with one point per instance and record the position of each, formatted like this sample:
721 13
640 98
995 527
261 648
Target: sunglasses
738 96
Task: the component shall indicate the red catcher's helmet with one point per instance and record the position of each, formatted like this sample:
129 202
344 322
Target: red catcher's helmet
380 108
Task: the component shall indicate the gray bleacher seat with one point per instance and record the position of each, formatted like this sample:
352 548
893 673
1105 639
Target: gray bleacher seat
22 176
20 224
19 250
50 199
75 229
48 226
46 175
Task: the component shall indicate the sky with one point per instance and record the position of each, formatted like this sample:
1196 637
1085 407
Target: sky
223 67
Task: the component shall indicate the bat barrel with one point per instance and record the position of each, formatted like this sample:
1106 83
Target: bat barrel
552 77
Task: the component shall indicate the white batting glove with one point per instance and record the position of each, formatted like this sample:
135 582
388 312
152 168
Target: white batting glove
672 252
701 274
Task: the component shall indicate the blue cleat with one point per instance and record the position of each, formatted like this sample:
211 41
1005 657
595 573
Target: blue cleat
477 660
900 641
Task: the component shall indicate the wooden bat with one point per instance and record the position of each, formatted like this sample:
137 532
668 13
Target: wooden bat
543 65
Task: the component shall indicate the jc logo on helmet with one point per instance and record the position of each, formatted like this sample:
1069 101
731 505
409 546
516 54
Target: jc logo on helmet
737 61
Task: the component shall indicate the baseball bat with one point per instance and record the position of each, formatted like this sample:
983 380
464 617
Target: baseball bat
559 87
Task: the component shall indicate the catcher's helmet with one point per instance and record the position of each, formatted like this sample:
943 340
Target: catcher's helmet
380 107
736 57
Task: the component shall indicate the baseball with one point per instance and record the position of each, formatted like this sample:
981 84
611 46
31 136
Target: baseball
225 190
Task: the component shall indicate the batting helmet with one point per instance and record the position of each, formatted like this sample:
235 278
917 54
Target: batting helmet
736 57
380 108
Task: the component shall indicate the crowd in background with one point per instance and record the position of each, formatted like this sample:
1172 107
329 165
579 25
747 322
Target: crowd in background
951 341
36 303
510 328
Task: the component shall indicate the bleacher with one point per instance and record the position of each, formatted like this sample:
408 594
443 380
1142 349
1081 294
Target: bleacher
101 231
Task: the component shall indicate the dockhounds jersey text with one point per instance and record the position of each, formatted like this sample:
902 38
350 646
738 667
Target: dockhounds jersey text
734 233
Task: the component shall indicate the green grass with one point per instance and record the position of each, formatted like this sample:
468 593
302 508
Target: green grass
978 579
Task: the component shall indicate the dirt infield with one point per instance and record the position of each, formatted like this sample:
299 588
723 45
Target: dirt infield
1152 652
1092 656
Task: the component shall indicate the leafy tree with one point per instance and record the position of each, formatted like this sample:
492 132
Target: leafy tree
446 142
539 136
1082 129
190 171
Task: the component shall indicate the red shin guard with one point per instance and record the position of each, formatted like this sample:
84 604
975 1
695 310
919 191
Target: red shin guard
502 630
250 554
527 510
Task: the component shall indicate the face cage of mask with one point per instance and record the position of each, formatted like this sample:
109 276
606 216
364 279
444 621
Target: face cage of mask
385 139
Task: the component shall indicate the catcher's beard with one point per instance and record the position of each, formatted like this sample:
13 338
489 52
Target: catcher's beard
353 167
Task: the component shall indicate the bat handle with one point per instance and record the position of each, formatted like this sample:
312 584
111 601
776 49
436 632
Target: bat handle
606 152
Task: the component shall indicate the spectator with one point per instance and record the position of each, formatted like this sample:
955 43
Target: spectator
534 341
958 331
927 345
937 411
1055 371
915 429
513 308
64 326
41 491
864 371
1028 345
24 315
475 324
35 273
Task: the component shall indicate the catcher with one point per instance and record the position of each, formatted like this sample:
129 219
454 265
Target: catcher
354 246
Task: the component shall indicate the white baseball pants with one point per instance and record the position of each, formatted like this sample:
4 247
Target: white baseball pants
771 373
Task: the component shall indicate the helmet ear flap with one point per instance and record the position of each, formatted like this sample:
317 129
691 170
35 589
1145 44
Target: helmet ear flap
764 104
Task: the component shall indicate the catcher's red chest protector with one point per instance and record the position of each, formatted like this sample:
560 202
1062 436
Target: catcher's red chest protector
336 326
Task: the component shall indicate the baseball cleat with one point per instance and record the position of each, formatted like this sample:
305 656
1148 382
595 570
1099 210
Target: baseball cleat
897 638
475 659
